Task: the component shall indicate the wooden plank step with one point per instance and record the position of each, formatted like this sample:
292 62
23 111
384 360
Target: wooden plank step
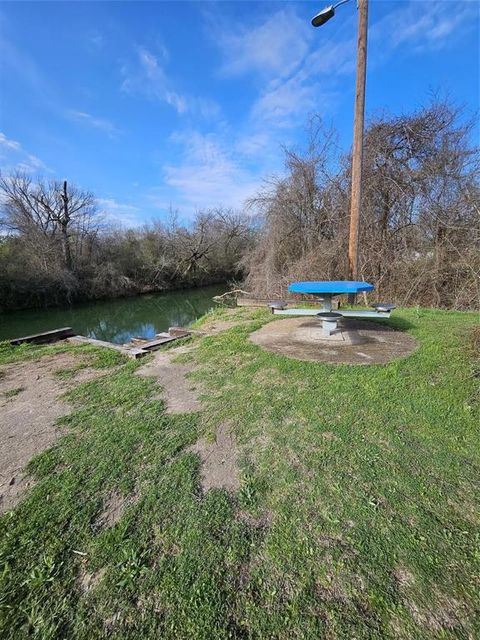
127 351
153 344
173 332
179 332
46 336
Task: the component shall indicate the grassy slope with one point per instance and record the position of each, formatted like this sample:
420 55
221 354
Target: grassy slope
356 517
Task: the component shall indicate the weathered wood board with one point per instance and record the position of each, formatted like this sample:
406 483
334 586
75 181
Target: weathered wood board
130 352
153 344
46 336
179 332
141 346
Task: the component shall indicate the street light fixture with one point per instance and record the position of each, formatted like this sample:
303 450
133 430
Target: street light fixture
357 152
325 14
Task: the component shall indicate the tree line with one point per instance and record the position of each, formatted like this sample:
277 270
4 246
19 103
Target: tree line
420 214
55 248
419 228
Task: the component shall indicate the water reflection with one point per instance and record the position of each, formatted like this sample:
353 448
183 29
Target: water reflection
116 320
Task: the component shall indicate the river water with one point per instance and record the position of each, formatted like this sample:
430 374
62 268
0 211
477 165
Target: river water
116 320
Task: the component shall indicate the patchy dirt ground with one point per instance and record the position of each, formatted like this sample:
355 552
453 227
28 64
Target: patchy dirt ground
179 393
113 509
219 460
88 581
294 338
30 405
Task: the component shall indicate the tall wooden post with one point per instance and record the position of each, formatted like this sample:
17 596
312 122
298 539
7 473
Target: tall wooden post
357 153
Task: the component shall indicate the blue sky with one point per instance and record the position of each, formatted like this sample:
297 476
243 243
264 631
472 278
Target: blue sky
186 104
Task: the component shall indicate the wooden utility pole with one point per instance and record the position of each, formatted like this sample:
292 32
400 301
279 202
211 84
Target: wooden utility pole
357 153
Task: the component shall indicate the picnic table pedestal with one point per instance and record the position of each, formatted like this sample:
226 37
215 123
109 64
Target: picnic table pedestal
329 322
327 302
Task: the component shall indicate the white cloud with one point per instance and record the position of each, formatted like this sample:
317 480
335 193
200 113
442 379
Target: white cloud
253 144
298 70
95 40
421 26
17 159
147 76
281 103
209 174
206 108
92 121
275 46
284 102
119 213
35 162
10 144
284 48
304 66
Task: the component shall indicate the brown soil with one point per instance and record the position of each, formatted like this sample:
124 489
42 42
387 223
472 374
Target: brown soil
403 578
262 521
179 393
219 460
29 409
328 435
113 509
88 581
380 344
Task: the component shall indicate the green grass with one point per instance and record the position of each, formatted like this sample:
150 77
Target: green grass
357 516
11 393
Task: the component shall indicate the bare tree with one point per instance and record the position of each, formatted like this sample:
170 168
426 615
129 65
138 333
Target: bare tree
420 224
52 209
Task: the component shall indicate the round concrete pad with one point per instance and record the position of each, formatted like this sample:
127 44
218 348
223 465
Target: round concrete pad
362 341
312 333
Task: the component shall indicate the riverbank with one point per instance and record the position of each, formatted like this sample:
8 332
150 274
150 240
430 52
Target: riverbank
351 513
117 320
133 292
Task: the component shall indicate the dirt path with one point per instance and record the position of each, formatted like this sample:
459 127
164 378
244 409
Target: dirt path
219 460
29 409
180 394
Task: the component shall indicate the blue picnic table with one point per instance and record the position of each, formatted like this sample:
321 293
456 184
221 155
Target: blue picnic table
325 290
329 288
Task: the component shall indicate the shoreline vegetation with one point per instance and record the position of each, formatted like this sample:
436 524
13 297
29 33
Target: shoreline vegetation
115 320
350 516
419 232
73 304
37 271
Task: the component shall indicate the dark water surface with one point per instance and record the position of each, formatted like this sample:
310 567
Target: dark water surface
116 320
